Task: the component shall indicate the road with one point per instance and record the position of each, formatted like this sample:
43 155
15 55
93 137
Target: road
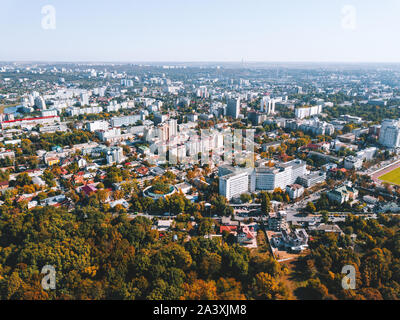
293 210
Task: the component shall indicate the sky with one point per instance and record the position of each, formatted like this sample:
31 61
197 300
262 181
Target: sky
202 30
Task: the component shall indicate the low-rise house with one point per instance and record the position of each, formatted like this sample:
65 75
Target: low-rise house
82 163
65 162
38 181
230 229
295 191
91 166
164 225
277 222
142 171
157 171
32 204
390 207
370 199
342 194
329 166
184 187
273 144
88 189
121 202
312 179
352 162
51 161
25 197
327 228
79 178
296 240
336 170
4 185
7 154
245 235
324 146
89 176
53 201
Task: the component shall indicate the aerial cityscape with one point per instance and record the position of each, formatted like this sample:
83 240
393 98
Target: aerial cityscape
205 180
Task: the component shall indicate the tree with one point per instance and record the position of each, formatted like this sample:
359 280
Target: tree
210 265
200 290
310 208
265 287
23 179
316 290
103 195
263 262
245 198
176 203
265 203
205 226
230 289
371 294
220 207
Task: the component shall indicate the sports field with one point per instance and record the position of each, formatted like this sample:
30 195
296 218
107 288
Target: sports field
391 177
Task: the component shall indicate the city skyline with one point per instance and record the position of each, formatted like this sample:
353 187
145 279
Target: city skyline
259 167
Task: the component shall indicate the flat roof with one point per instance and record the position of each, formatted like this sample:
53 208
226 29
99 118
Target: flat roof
30 119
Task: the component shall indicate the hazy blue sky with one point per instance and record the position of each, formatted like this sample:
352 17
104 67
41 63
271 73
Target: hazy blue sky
203 30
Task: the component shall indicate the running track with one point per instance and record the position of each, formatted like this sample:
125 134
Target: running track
380 172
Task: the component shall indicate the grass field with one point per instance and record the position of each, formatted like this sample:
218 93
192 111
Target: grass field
391 177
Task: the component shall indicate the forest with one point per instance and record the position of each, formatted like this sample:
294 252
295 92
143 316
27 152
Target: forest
372 247
97 256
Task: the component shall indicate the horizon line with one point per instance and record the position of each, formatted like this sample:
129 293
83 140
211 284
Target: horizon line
199 61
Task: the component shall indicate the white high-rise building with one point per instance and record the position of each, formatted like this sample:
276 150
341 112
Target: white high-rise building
109 135
84 99
172 128
267 105
97 125
31 100
76 111
126 120
49 113
39 103
127 82
115 155
234 184
305 112
233 108
390 133
279 177
102 91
